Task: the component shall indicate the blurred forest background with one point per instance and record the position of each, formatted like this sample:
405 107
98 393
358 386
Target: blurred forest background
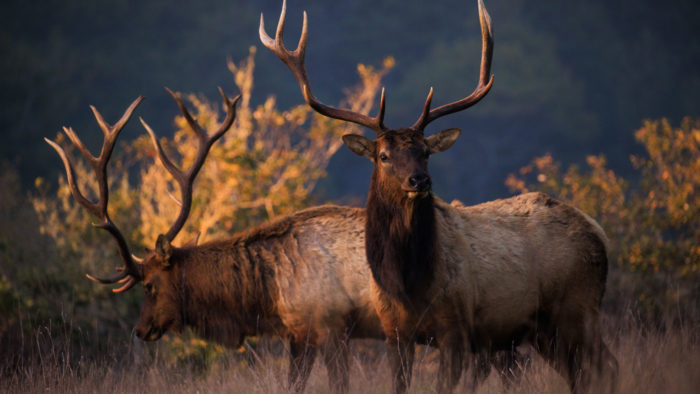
595 102
572 78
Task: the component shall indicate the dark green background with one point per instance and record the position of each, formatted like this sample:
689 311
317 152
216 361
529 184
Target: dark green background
572 77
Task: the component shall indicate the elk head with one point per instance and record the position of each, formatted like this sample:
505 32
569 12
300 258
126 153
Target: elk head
400 155
158 271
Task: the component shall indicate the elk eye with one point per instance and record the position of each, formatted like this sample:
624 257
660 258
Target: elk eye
149 288
383 157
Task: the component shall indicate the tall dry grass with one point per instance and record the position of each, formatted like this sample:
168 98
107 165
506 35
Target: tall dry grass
659 358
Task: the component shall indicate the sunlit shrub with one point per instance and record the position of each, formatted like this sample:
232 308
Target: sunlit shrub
266 165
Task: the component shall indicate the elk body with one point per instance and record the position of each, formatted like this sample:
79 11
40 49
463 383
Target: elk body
478 279
303 277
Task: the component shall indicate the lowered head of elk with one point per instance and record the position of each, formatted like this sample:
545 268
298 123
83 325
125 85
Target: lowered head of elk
161 310
400 155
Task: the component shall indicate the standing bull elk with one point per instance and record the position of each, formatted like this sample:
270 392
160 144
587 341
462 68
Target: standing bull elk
479 279
303 277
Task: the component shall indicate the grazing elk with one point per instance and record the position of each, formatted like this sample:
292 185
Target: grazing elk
479 279
303 277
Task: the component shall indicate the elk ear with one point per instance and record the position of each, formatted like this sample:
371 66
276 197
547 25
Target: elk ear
442 140
164 249
193 242
360 145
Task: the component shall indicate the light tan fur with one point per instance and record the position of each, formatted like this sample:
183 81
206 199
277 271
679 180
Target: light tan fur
511 270
321 274
319 279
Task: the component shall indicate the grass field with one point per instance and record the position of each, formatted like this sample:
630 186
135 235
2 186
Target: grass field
662 359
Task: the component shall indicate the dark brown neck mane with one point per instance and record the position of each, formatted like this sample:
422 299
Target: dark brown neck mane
400 241
225 289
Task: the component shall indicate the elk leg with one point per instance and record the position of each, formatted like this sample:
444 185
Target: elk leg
452 349
301 359
479 368
590 361
335 354
564 354
598 361
565 345
607 368
510 365
547 345
400 351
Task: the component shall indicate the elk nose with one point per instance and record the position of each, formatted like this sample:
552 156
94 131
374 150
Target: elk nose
141 332
420 182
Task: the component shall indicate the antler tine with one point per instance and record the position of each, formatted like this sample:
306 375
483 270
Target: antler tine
110 138
295 62
279 33
92 160
128 282
230 114
99 209
190 121
485 77
185 179
70 174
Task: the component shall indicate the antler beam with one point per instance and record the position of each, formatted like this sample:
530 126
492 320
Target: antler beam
295 61
485 78
185 179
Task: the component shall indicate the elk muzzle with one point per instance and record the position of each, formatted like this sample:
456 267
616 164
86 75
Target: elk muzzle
148 332
420 182
418 185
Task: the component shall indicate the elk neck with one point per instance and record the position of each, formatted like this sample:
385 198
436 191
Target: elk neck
400 241
225 290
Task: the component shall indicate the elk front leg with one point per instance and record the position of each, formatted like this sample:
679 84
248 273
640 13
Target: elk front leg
400 351
335 354
452 348
510 365
400 331
478 367
301 360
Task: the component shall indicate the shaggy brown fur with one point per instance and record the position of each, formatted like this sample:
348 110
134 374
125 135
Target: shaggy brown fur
400 250
303 277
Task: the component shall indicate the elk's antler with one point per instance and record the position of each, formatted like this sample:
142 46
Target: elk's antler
185 179
485 78
131 272
295 61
